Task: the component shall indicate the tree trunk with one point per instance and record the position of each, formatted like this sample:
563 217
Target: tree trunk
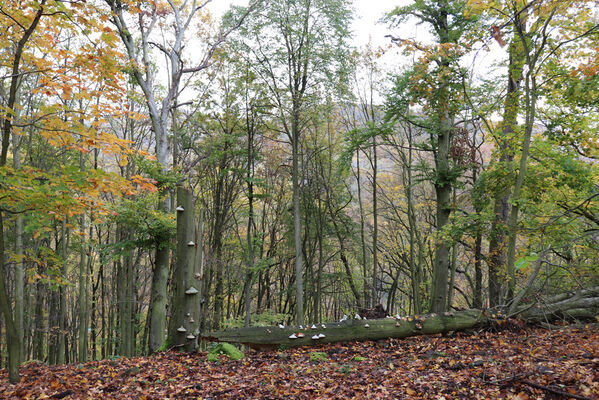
19 264
362 236
126 299
158 298
12 338
497 243
297 229
443 181
531 97
250 225
62 308
184 320
443 193
39 328
82 332
375 229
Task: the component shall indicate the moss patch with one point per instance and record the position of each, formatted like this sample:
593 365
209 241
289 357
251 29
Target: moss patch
227 349
318 356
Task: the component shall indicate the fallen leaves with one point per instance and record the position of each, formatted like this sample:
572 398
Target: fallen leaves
531 365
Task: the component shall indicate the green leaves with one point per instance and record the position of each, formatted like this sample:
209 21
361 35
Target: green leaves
523 262
146 226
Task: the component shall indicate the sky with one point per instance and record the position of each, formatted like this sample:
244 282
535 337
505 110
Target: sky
367 28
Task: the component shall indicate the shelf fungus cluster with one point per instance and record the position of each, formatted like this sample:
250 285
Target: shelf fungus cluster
300 335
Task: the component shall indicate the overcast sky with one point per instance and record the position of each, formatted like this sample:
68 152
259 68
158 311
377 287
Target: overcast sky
367 28
367 13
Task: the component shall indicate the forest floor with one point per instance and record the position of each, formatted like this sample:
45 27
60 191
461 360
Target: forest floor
531 364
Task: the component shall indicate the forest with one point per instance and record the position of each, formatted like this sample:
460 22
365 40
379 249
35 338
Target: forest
168 174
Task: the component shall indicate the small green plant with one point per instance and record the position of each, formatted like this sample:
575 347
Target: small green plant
318 356
165 346
224 348
358 358
345 369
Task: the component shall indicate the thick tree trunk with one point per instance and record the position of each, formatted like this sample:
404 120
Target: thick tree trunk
184 320
158 306
582 304
443 189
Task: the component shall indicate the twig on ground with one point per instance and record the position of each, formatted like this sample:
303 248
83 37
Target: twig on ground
554 390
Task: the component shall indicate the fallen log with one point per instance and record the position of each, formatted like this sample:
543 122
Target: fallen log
351 329
583 304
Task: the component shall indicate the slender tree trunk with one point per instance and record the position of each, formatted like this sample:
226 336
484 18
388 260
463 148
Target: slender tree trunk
126 299
12 338
497 245
19 264
297 229
362 236
39 328
513 218
414 267
62 308
375 230
318 296
454 265
82 301
250 224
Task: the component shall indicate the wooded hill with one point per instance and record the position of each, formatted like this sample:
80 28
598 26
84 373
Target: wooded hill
167 174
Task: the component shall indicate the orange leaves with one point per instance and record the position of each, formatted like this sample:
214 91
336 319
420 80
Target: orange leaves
497 35
146 184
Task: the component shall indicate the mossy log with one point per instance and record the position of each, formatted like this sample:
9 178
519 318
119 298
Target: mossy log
578 305
351 329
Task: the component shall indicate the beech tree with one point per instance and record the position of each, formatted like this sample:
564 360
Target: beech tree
435 83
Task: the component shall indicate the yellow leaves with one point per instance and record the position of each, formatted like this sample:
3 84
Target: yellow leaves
123 161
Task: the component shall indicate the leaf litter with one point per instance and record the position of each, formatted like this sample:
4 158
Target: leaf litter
532 364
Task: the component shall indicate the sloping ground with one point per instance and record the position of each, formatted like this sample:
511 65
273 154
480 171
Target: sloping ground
535 364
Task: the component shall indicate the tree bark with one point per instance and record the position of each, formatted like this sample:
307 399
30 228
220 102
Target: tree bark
497 245
297 228
185 301
443 182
